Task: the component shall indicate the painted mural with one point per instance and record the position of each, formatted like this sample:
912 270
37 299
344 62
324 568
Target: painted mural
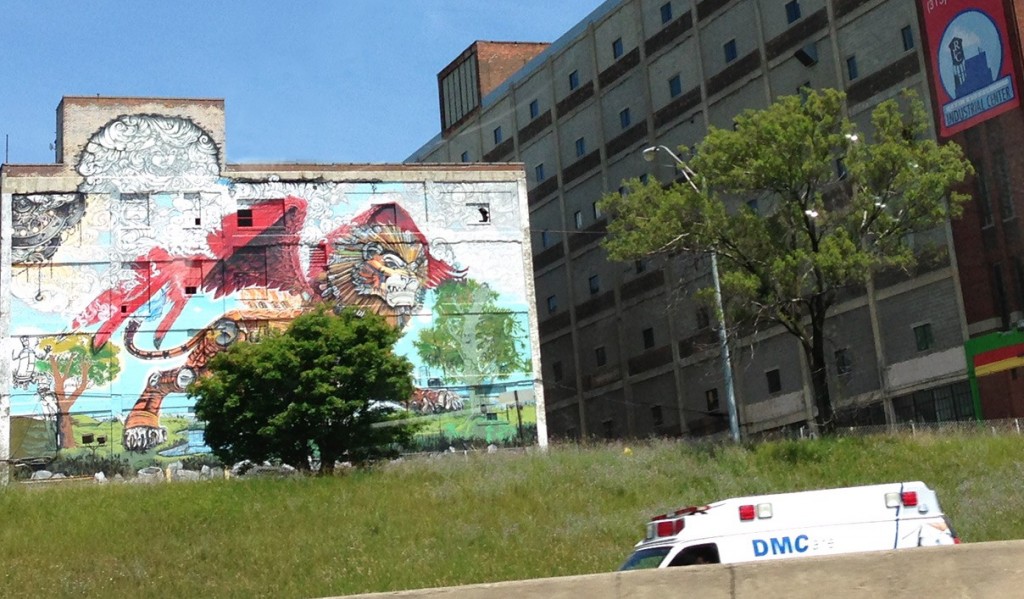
124 290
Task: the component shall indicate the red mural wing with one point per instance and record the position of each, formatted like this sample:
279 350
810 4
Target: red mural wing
257 247
153 272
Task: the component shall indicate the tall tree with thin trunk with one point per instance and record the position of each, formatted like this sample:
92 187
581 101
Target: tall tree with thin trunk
833 206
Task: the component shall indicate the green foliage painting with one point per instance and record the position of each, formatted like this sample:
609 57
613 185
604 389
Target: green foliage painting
75 367
472 340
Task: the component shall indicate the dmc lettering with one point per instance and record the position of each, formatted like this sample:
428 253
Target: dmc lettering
780 545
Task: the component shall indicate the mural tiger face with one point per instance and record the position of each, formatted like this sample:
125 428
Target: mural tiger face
381 268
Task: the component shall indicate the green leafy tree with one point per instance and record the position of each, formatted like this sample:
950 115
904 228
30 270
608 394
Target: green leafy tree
833 208
75 367
320 389
472 338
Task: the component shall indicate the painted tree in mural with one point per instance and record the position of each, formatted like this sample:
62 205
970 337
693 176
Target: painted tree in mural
831 207
472 338
75 366
321 390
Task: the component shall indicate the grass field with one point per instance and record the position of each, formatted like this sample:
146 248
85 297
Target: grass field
454 519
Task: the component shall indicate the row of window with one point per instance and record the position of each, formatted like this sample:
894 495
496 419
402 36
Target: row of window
577 217
574 82
906 35
773 378
594 286
675 84
940 404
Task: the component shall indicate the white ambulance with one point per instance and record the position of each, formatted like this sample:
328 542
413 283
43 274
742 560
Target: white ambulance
790 525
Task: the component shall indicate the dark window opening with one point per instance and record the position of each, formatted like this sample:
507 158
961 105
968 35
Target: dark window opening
648 335
792 11
656 416
574 80
908 38
534 109
556 371
711 399
617 48
941 404
666 12
851 68
730 50
923 336
245 217
703 318
600 356
594 284
844 363
774 379
675 86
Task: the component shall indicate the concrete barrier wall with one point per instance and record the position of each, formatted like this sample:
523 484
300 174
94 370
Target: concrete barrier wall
971 570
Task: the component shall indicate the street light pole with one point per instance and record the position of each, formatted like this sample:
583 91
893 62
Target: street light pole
723 338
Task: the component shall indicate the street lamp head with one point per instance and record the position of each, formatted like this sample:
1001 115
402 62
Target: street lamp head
648 153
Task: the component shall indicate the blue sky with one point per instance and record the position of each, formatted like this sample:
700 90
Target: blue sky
302 80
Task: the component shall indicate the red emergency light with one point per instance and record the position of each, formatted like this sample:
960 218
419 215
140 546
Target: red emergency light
904 498
668 528
760 511
665 527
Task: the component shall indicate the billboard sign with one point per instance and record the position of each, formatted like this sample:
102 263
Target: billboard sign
970 61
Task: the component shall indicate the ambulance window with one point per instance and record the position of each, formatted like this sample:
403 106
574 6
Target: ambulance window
646 558
696 554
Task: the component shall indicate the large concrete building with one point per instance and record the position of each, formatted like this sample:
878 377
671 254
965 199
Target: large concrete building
140 253
625 349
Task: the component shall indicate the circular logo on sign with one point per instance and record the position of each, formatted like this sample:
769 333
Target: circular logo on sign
970 54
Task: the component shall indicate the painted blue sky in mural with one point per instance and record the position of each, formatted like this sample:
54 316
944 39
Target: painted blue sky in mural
335 81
